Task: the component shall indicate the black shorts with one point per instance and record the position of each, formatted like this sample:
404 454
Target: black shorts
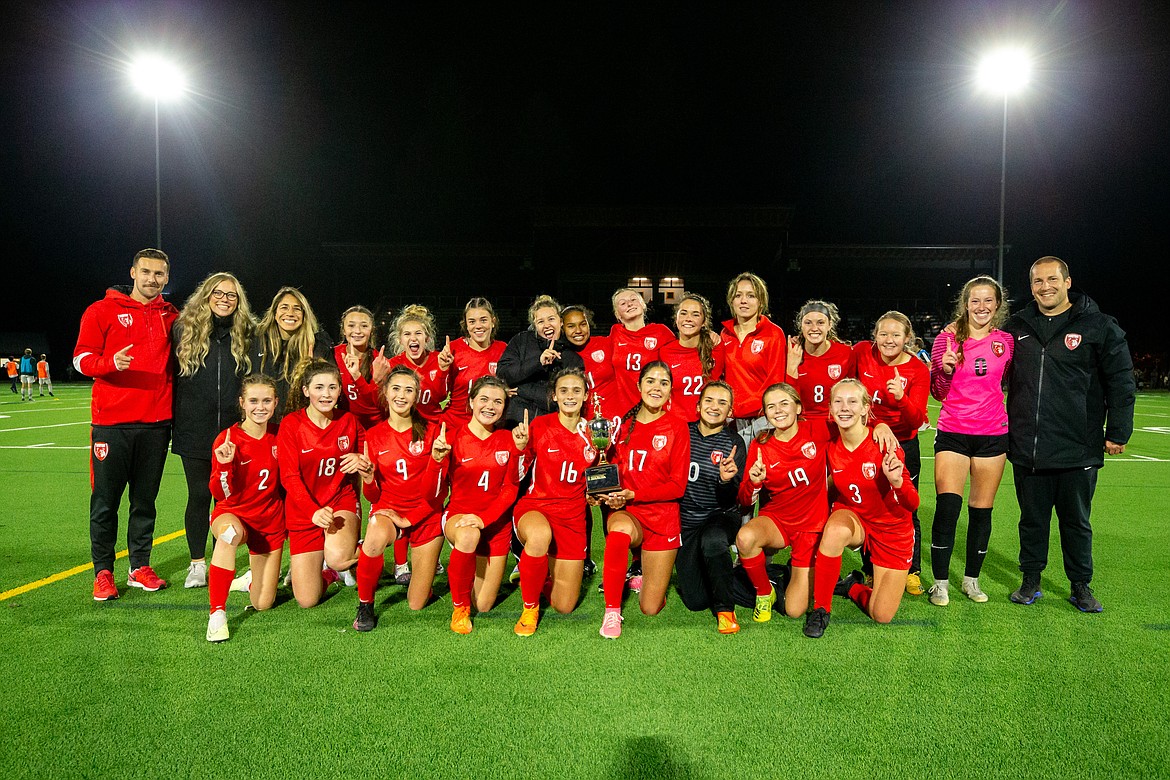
971 446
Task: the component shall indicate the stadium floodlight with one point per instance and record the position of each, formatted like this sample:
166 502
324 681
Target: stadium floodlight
159 80
1005 71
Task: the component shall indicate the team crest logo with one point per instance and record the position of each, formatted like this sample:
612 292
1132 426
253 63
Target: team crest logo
1072 340
650 342
343 442
502 457
998 347
903 381
416 448
809 450
597 356
101 450
492 368
834 371
432 374
658 442
868 470
716 456
126 320
274 450
589 453
757 346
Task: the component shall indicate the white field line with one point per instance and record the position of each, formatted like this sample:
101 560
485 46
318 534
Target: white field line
49 446
41 427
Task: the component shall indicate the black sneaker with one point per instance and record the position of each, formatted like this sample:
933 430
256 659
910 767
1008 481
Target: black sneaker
590 568
848 581
816 622
1029 590
1082 598
365 620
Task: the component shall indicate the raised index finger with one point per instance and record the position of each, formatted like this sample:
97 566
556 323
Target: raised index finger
733 450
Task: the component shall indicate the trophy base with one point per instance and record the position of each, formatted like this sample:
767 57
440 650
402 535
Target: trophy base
602 479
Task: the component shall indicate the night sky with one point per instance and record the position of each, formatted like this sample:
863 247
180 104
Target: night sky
331 122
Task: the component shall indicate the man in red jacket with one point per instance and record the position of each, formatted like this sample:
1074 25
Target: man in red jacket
125 345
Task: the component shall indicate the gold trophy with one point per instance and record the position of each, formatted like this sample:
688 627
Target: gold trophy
602 478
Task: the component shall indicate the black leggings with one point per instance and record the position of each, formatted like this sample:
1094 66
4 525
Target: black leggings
703 567
197 518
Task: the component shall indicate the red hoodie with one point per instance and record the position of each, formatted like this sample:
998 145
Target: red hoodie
141 393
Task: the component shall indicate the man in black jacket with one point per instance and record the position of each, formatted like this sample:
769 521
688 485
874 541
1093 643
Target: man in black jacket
1070 398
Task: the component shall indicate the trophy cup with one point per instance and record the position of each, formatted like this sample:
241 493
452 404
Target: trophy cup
602 478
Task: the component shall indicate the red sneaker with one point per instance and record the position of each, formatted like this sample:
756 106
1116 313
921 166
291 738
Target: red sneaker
145 578
104 588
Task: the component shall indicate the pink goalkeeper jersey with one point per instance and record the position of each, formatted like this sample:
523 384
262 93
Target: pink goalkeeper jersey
972 397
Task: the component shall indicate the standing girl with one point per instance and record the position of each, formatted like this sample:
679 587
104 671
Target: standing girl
817 358
249 506
360 366
289 337
532 357
413 343
756 351
633 344
476 354
696 358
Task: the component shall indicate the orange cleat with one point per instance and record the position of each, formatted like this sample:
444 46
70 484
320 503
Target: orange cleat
461 620
526 625
726 623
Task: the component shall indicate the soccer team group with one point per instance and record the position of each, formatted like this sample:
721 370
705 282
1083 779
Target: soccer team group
733 438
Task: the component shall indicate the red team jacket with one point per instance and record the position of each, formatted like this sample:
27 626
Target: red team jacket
754 364
249 487
905 417
687 376
141 393
599 375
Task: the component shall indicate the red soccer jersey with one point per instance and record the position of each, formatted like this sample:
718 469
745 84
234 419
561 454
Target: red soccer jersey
433 387
904 417
359 396
470 364
310 465
406 478
655 461
754 364
629 351
561 457
485 473
798 491
687 376
600 377
817 375
862 487
249 486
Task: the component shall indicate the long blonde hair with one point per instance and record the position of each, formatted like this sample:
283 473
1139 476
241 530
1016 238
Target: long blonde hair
413 313
299 349
195 327
367 358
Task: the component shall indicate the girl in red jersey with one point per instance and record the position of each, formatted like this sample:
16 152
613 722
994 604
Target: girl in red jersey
249 509
817 358
899 386
320 457
413 343
485 467
405 488
550 517
873 501
633 344
652 450
361 367
755 351
474 355
696 358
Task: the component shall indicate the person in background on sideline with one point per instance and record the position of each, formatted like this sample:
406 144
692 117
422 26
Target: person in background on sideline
43 378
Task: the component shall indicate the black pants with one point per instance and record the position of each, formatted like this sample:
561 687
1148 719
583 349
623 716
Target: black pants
703 566
197 517
1070 493
124 455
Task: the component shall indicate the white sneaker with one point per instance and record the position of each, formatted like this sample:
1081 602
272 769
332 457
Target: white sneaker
347 578
196 575
972 591
939 594
402 574
217 627
243 583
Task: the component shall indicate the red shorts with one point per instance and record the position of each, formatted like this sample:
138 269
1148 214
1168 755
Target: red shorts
804 547
311 538
890 548
660 525
421 530
495 539
263 536
567 521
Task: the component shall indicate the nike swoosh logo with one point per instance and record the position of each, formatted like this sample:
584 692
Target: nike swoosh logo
464 460
306 452
245 462
868 374
553 450
774 465
676 365
936 547
1021 338
382 452
672 540
983 552
837 471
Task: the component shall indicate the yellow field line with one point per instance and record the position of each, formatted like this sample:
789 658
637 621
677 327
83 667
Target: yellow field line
76 570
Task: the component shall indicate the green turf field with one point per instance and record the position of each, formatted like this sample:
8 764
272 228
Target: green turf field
130 688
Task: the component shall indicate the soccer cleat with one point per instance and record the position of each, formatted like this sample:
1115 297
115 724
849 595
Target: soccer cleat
1029 590
526 625
196 575
611 624
634 577
763 611
243 583
439 569
1083 599
843 585
366 619
329 576
589 568
816 622
461 620
104 588
939 594
914 585
217 627
972 591
514 577
346 578
145 578
402 574
725 623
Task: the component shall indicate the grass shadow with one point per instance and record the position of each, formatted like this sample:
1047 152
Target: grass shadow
651 757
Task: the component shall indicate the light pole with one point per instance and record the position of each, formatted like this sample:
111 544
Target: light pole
1005 71
159 80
